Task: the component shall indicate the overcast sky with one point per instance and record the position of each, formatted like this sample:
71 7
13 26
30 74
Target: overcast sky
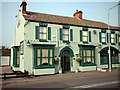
96 11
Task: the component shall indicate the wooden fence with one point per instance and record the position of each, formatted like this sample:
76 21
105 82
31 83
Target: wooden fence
13 75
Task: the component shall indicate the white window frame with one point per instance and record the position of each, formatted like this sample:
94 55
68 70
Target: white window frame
41 32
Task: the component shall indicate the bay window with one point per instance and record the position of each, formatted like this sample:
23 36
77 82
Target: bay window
43 56
88 55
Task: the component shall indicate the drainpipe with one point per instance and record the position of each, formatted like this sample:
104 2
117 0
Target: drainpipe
58 38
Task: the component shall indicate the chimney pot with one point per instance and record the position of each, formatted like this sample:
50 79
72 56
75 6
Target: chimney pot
23 5
78 14
76 11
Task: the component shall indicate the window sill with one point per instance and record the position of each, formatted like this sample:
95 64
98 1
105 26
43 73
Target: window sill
16 65
90 64
43 40
104 43
112 43
66 41
104 64
42 67
85 42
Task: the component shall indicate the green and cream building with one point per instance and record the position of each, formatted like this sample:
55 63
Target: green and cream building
40 38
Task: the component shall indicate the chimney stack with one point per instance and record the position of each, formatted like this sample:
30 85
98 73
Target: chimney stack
78 14
23 5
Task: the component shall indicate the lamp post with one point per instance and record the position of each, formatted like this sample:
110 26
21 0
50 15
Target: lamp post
110 36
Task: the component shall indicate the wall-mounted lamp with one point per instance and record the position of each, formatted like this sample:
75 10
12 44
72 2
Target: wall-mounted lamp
77 55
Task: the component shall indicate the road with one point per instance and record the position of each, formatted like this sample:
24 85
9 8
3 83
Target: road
95 81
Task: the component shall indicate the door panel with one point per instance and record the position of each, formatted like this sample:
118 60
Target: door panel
65 63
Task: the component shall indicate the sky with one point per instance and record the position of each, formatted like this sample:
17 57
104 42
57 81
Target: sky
96 11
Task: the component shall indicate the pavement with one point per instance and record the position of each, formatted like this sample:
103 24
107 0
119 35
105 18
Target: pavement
67 75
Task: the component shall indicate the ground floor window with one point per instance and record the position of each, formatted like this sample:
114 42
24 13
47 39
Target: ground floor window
88 55
43 56
104 56
16 57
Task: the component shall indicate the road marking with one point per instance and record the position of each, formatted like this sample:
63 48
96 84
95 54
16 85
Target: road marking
96 85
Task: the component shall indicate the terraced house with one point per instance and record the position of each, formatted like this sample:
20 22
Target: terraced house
40 39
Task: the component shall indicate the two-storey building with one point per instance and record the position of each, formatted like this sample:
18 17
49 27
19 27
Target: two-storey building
39 38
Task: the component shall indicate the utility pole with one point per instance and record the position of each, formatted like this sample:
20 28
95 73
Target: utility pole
109 51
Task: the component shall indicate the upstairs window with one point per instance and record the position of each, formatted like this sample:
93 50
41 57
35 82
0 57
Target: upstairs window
66 34
43 33
112 38
103 37
85 36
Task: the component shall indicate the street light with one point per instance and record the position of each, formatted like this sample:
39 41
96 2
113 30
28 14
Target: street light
109 37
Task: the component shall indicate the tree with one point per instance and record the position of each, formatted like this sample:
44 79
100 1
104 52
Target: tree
4 47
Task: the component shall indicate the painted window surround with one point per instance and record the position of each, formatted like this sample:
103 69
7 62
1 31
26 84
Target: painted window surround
81 54
35 57
16 63
46 32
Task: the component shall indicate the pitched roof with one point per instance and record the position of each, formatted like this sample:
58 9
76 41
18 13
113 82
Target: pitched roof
65 20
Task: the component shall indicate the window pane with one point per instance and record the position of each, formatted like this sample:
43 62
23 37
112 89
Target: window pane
17 60
44 61
103 39
102 34
84 59
42 36
38 52
17 53
84 52
112 35
92 59
65 37
89 59
44 52
119 39
88 52
41 29
50 52
85 33
92 52
84 38
50 61
65 31
44 29
112 40
38 61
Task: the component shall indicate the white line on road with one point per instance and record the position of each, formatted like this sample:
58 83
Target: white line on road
96 85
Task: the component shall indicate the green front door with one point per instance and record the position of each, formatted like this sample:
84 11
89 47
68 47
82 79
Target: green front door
65 61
